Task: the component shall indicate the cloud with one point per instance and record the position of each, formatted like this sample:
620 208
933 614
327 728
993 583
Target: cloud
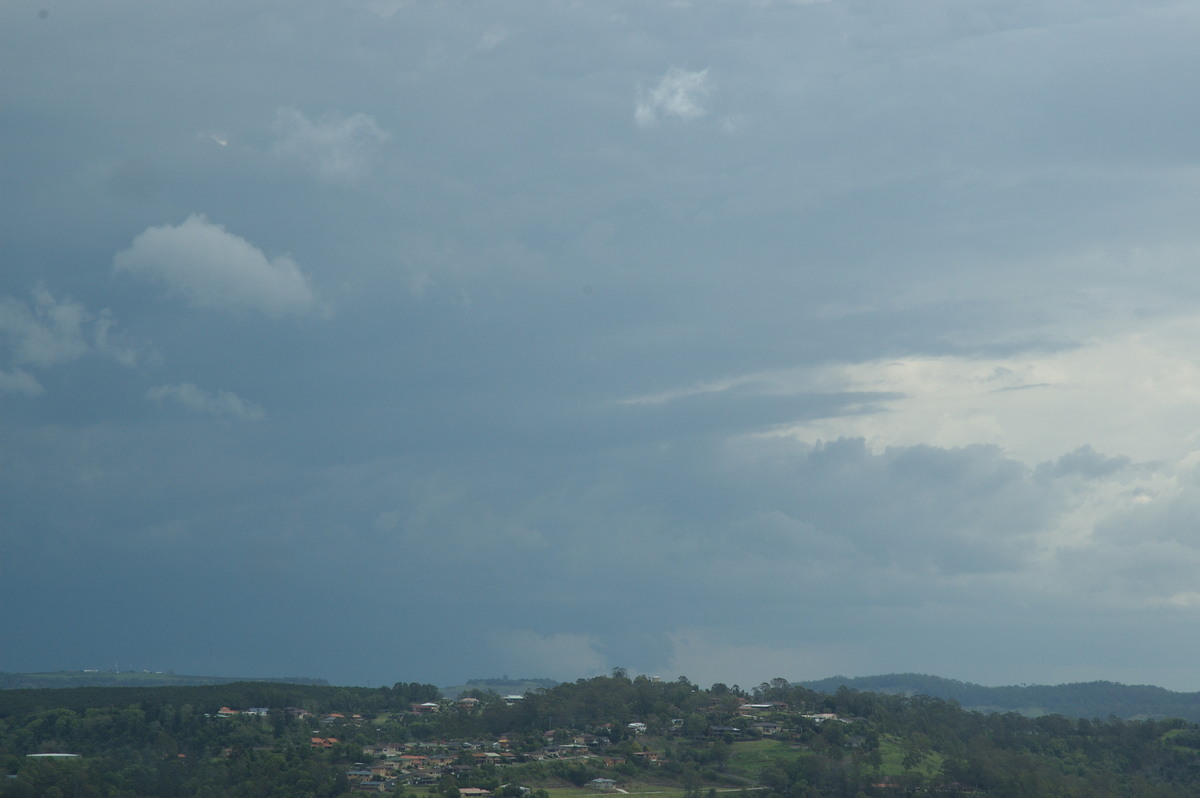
493 38
889 333
19 382
338 148
678 94
212 268
218 403
50 332
1133 389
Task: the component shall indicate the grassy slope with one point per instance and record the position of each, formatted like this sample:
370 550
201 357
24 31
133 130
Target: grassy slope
750 757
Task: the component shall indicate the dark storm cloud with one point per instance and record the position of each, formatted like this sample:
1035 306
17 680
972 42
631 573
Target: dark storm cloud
661 335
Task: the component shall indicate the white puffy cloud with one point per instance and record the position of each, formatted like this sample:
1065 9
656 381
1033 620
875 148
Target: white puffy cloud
50 332
213 403
213 268
677 94
336 147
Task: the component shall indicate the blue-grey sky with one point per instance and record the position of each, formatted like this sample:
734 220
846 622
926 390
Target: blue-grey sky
378 340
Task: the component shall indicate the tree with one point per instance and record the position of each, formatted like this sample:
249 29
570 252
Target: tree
448 786
694 725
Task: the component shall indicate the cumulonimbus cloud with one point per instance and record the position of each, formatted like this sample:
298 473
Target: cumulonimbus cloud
213 403
213 268
336 147
678 94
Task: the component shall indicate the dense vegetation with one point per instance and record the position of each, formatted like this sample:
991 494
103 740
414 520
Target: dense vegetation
793 743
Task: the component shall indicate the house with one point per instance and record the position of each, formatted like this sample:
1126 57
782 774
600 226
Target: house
604 785
767 728
486 758
821 717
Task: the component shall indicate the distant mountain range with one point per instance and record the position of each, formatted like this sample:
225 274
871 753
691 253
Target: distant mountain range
1077 700
98 678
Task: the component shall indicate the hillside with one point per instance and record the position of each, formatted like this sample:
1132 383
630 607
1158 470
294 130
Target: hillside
1076 700
639 736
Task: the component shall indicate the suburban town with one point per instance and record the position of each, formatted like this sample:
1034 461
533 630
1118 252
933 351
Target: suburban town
604 735
615 751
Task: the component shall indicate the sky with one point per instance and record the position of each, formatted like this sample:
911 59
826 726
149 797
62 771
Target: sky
379 341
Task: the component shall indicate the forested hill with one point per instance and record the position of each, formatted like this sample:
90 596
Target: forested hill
1078 700
639 736
29 681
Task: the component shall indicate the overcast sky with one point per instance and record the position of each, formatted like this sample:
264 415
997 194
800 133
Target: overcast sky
379 341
